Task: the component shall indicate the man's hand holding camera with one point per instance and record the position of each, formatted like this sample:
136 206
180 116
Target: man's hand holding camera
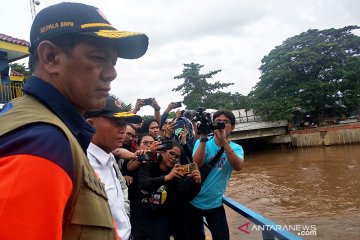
172 106
139 104
140 152
144 102
221 136
155 105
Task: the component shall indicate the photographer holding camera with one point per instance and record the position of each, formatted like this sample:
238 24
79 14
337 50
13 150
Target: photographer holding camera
148 102
208 202
171 106
158 189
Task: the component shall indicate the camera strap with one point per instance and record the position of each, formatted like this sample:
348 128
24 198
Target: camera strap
206 168
214 160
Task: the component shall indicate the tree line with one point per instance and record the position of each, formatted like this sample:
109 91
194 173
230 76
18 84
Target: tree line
315 73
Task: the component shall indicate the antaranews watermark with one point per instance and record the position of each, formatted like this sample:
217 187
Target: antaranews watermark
300 229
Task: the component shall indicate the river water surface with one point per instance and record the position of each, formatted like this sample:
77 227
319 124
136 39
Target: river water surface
308 187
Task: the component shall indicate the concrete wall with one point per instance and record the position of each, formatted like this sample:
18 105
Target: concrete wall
257 133
339 134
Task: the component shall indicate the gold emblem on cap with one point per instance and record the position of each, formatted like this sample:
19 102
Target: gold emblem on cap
90 25
123 114
116 34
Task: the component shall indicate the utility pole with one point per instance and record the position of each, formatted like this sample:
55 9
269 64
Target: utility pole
32 7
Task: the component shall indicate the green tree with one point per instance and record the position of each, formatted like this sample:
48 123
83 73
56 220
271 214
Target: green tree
239 101
21 68
171 115
227 100
195 89
147 117
316 71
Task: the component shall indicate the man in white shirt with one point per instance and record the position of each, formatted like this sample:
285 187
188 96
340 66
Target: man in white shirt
110 124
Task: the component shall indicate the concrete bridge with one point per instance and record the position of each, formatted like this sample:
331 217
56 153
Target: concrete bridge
251 126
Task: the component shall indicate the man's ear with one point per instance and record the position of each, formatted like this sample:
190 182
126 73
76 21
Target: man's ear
49 56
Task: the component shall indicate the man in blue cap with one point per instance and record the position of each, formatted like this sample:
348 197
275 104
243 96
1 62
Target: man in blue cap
48 188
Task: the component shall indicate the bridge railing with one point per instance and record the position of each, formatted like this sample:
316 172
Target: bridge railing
247 116
270 230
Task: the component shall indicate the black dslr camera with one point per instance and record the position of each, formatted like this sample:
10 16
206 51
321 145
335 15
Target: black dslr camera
205 124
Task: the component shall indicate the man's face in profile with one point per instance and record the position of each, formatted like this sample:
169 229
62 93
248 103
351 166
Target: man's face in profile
85 75
110 132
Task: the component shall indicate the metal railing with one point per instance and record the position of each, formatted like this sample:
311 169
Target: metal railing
270 230
247 116
10 90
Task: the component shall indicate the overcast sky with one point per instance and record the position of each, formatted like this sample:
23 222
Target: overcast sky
231 35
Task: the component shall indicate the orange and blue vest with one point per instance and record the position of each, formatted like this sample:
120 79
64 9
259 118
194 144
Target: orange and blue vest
48 190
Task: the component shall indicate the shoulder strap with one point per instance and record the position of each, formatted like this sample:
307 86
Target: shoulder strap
217 157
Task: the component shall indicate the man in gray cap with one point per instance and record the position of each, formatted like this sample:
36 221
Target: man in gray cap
48 188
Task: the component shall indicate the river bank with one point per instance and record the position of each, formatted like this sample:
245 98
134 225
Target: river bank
326 136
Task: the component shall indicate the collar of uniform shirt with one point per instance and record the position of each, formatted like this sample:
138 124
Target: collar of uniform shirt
100 154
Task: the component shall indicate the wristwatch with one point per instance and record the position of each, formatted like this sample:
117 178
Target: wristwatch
203 139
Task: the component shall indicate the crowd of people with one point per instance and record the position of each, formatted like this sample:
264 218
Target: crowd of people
75 165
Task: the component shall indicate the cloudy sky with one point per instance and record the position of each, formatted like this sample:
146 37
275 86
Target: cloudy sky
231 35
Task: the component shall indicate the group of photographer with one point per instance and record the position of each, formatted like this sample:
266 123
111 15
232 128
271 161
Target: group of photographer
160 164
157 182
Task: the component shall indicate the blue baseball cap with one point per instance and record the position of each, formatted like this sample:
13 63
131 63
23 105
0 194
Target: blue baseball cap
78 18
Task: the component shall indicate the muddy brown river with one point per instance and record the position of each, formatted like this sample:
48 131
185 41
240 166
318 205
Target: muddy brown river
314 188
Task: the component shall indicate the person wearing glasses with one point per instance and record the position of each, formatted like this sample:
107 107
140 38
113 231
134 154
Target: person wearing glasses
208 202
124 154
130 141
110 125
158 186
145 144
